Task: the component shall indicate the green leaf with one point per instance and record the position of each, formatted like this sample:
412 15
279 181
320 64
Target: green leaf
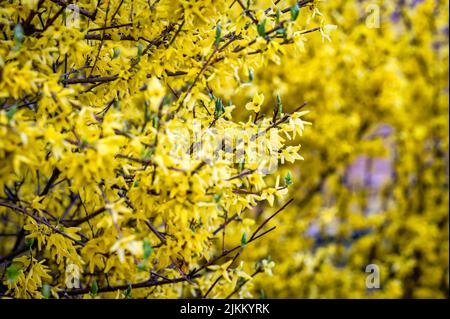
147 113
262 294
46 291
148 249
155 121
218 34
84 143
12 273
281 31
116 53
147 153
166 100
262 28
294 12
244 239
142 267
127 292
241 165
29 242
217 197
251 75
219 109
19 35
94 288
288 179
278 15
279 105
140 48
241 281
10 112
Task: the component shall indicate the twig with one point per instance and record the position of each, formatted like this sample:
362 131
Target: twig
39 220
268 219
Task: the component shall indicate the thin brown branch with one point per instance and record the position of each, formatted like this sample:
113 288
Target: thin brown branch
268 219
156 232
205 65
92 79
145 284
86 13
77 222
248 12
107 36
23 211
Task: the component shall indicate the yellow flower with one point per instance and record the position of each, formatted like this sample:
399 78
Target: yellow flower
222 269
255 104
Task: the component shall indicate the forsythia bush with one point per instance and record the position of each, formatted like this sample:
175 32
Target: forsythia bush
116 178
374 188
127 148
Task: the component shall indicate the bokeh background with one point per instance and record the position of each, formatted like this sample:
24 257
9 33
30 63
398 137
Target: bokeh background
373 189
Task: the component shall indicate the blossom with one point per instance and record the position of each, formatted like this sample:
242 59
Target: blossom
255 104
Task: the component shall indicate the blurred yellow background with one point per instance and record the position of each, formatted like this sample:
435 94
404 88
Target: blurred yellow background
373 189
